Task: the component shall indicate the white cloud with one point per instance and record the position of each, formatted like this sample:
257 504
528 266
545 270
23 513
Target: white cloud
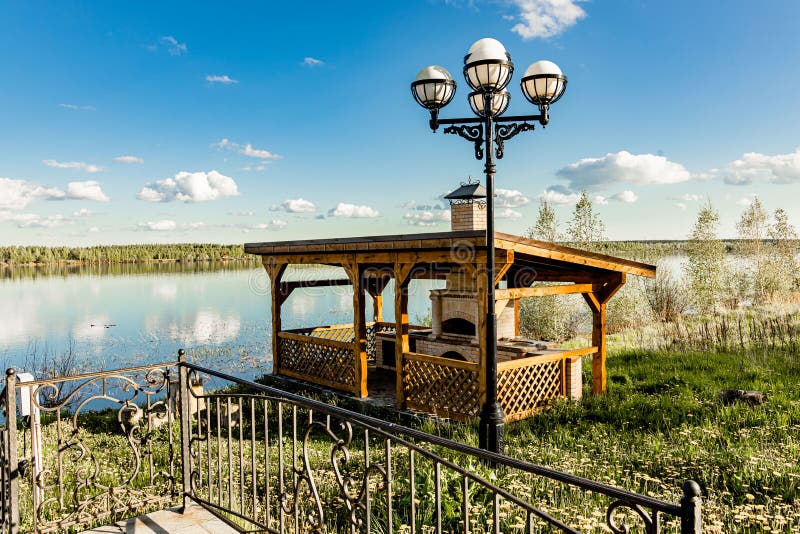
189 187
746 200
626 196
223 79
247 150
312 62
601 200
158 226
353 211
33 220
555 195
242 213
128 159
274 224
88 167
510 198
508 213
17 194
755 167
691 197
623 167
166 225
88 190
427 218
94 230
76 107
546 18
83 212
682 206
295 205
174 47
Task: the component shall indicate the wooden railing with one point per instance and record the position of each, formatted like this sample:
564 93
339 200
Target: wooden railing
441 386
526 385
319 360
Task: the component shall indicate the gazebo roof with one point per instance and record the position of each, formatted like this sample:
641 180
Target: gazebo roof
538 254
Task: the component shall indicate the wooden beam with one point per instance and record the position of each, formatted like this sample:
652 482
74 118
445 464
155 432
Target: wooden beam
501 270
287 287
570 255
541 291
359 328
439 257
401 344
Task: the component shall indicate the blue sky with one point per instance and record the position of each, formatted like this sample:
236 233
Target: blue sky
260 121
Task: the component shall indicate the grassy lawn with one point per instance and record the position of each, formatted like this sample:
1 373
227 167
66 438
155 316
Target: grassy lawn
662 422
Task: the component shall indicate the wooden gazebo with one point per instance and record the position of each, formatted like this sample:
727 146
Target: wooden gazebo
340 356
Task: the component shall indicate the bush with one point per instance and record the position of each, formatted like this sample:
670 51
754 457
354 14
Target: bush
666 297
552 318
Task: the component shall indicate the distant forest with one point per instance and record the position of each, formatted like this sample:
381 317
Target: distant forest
183 252
200 252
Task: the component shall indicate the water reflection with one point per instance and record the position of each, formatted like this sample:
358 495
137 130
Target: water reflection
119 315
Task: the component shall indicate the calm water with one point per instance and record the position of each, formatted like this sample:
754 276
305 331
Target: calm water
116 316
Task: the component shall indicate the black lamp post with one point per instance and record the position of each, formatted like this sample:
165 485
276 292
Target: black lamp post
488 69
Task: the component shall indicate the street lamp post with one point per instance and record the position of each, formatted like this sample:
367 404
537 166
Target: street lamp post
488 70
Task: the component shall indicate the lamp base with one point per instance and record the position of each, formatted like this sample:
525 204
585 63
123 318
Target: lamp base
492 428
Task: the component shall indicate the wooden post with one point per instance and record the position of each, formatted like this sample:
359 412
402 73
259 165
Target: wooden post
359 328
401 345
597 300
599 358
377 308
275 271
375 287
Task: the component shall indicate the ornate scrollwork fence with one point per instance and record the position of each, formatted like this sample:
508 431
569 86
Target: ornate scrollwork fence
266 460
89 448
272 461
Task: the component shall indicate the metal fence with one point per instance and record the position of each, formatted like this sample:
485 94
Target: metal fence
269 461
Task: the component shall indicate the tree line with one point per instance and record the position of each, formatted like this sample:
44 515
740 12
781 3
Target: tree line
184 252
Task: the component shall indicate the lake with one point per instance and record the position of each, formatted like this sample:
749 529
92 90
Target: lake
111 316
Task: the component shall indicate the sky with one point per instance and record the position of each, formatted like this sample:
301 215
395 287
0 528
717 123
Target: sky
231 122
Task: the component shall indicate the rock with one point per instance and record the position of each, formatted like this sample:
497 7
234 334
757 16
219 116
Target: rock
751 398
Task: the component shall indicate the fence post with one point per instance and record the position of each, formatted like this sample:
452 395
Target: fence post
691 508
185 415
11 451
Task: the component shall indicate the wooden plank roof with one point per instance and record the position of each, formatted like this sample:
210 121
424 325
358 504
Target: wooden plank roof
524 248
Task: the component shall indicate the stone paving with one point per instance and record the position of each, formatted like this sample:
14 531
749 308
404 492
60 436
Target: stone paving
196 520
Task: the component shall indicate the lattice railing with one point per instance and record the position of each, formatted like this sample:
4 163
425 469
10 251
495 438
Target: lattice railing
528 384
444 387
346 334
323 361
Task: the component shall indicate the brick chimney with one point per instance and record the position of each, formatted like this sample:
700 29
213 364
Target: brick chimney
468 207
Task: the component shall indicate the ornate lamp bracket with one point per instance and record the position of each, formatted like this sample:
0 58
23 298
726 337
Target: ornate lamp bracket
470 132
504 132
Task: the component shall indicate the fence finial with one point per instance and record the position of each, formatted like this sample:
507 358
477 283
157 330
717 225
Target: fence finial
10 371
181 355
691 508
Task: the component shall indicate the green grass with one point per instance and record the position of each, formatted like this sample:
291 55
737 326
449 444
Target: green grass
662 423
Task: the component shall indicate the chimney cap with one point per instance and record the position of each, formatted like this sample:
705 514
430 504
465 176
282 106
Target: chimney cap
468 191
